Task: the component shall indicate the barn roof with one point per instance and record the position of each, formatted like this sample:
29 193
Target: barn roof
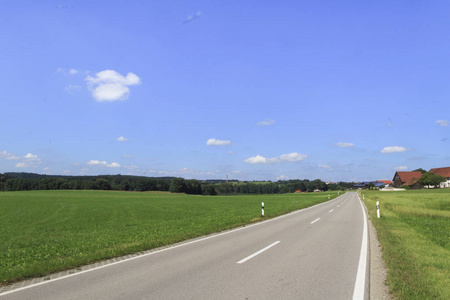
409 178
442 171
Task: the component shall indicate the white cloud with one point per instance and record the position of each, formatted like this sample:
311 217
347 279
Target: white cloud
73 71
343 144
282 177
291 157
122 139
127 156
442 122
401 168
393 149
28 161
103 164
258 159
214 142
31 157
109 85
96 163
113 165
266 122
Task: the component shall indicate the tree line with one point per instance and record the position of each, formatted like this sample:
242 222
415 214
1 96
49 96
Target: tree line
31 181
193 186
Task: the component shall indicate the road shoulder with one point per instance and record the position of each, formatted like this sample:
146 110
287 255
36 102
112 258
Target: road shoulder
378 271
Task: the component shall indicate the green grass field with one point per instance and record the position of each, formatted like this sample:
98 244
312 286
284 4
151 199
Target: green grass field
414 231
46 231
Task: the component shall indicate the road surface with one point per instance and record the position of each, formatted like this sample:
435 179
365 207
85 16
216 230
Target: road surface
315 253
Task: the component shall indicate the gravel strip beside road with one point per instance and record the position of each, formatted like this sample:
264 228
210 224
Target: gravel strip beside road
378 271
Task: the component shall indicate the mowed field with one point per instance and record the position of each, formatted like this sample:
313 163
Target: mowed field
47 231
414 231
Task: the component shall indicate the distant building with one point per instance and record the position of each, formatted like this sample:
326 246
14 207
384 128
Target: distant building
385 182
407 179
365 184
445 172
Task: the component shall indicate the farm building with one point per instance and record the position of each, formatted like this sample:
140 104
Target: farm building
445 172
407 179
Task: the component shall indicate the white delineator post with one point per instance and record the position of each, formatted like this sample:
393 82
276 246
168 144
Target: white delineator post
262 205
328 197
378 209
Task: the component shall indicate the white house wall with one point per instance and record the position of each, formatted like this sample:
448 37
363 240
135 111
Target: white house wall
445 184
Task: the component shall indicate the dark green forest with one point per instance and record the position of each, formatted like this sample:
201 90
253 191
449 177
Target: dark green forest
32 181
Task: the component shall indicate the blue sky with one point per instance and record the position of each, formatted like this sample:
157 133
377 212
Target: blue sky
261 90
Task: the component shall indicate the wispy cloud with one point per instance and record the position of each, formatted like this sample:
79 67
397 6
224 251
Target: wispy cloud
109 85
72 89
266 122
8 156
343 144
401 168
291 157
66 71
329 168
122 139
393 149
442 122
215 142
192 17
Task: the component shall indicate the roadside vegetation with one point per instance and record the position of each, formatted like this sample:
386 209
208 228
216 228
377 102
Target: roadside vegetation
47 231
414 231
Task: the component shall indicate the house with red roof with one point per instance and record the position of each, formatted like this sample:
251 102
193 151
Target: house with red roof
407 179
386 182
445 172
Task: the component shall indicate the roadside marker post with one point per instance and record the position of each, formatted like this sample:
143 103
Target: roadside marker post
378 209
262 205
328 197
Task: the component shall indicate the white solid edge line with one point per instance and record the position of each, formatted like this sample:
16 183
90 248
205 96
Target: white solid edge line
315 221
165 249
257 253
358 292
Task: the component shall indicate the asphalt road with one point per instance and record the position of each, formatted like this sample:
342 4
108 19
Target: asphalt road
313 253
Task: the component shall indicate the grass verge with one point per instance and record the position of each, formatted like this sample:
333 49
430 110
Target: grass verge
414 231
42 232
